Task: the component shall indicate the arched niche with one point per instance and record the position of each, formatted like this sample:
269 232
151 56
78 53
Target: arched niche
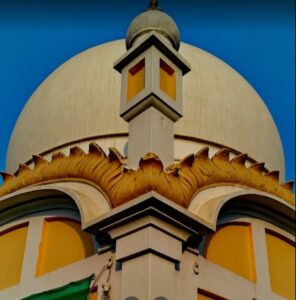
83 198
236 201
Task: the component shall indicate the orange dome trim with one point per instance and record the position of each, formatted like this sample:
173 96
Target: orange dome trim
180 182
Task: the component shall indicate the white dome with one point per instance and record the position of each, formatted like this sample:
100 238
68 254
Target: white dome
80 101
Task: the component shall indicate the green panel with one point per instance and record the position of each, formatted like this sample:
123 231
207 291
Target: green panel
75 290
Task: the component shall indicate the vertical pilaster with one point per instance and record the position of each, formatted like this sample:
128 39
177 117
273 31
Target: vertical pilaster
152 257
150 261
151 131
147 277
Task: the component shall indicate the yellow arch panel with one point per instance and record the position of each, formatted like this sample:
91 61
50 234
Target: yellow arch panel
231 247
63 242
168 80
12 249
136 80
281 259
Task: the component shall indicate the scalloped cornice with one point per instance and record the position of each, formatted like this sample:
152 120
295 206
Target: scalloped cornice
180 182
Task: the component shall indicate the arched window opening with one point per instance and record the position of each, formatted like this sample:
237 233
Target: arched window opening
281 263
231 247
12 249
62 243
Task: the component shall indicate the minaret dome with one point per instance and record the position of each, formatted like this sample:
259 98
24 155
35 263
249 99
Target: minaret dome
153 19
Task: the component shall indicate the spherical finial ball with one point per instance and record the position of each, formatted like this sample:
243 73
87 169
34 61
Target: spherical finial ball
156 20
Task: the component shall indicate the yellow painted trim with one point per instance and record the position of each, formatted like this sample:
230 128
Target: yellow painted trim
63 243
167 78
136 80
180 182
281 261
93 296
12 250
231 247
203 297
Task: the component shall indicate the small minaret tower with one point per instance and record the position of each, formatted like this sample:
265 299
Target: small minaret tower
151 85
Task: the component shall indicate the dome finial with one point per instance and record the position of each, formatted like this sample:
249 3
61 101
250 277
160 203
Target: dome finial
153 4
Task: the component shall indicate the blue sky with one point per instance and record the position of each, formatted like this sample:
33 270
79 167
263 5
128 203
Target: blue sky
257 38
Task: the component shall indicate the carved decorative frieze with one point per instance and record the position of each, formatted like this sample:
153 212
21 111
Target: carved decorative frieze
180 182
